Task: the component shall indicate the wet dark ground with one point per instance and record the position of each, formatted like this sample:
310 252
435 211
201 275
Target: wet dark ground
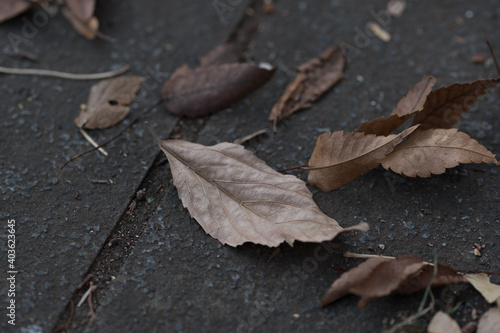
156 269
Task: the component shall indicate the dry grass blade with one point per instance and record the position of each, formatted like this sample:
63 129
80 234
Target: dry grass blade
340 157
237 198
444 106
433 151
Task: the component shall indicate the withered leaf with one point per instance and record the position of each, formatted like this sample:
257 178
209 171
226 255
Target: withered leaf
82 9
481 281
108 102
378 277
87 29
489 322
443 107
237 198
443 323
223 54
433 151
407 106
340 157
12 8
208 89
315 77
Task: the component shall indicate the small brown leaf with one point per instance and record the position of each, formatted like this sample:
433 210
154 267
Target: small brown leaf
407 106
87 29
108 102
489 322
443 323
237 198
315 77
340 157
12 8
82 9
444 106
205 90
223 54
378 277
433 151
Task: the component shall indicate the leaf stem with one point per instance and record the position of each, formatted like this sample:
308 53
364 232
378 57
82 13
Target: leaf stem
63 75
493 56
294 167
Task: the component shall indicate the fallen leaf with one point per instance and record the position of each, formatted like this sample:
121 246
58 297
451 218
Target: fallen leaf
315 77
82 9
12 8
489 322
410 104
340 157
443 107
433 151
443 323
87 29
223 54
481 281
205 90
108 102
379 277
237 198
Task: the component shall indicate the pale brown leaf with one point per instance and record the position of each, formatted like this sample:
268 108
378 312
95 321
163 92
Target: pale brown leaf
208 89
407 106
489 322
444 106
87 29
433 151
340 157
237 198
12 8
379 277
443 323
481 281
315 77
108 102
82 9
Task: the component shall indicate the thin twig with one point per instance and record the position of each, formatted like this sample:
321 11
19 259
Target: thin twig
87 293
249 137
113 138
92 142
493 56
65 326
369 256
294 167
63 75
85 281
91 307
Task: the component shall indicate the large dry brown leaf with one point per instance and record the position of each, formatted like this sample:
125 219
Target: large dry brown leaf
12 8
315 77
378 277
208 89
108 102
413 102
444 106
340 157
433 151
237 198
